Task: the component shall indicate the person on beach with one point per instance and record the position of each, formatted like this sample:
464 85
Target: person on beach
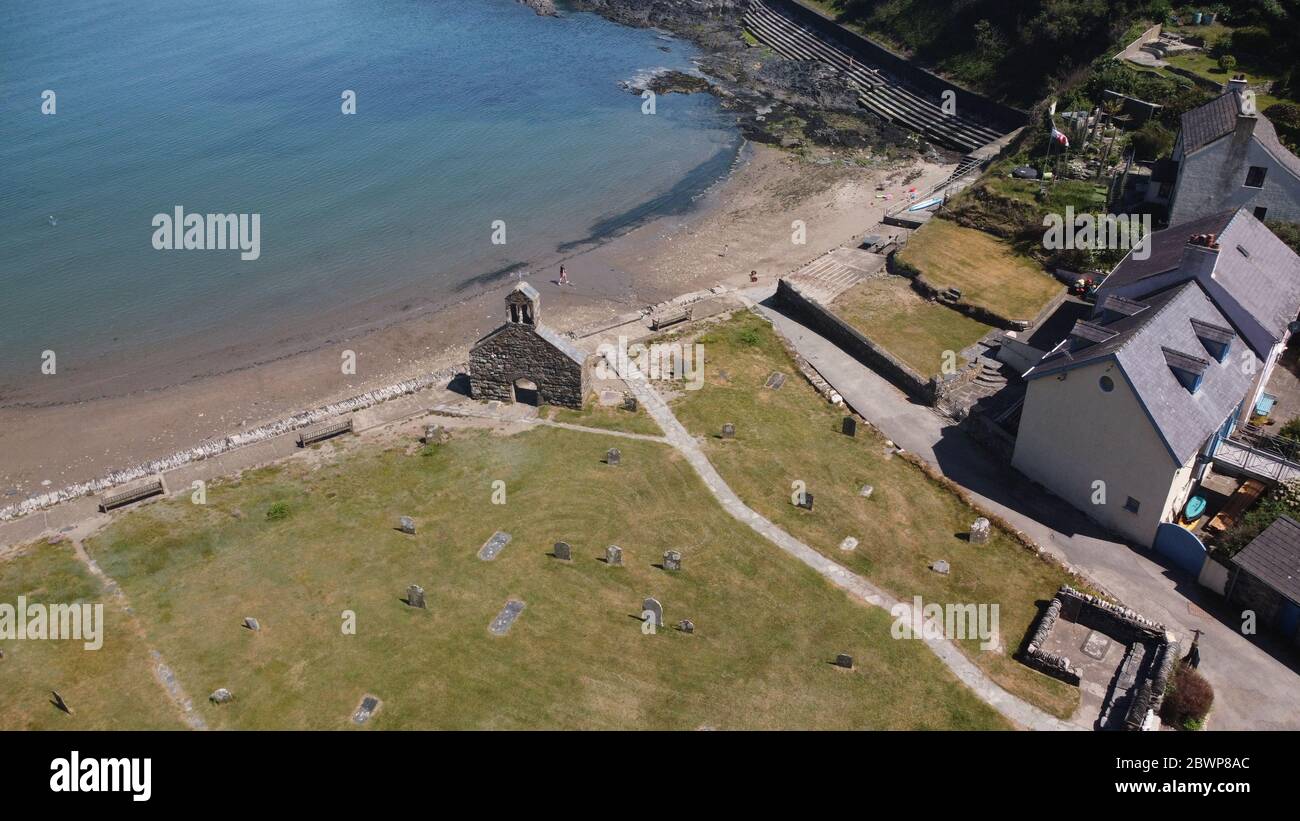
753 276
564 277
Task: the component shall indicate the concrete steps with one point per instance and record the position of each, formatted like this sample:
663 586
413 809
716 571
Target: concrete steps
831 274
877 93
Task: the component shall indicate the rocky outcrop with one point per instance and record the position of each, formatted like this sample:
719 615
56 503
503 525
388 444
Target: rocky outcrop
543 7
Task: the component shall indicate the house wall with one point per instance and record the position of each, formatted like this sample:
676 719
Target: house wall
1213 179
1072 434
518 352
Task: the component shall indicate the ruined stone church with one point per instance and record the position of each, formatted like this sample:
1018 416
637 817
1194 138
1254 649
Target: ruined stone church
524 361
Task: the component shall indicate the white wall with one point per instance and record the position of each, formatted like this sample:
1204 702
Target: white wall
1213 179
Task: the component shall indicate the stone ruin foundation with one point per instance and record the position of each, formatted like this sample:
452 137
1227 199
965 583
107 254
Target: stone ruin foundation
1123 658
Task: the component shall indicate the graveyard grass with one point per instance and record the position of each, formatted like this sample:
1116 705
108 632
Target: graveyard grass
595 415
986 269
111 688
891 314
908 522
766 627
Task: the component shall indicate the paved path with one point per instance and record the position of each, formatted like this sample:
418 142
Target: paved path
1013 708
1256 679
460 410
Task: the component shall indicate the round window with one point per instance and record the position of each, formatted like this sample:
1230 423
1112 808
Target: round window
1107 384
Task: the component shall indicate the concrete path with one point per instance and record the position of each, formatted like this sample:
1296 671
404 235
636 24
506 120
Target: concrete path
1256 679
1013 708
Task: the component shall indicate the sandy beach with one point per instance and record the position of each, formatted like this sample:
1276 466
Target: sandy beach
59 434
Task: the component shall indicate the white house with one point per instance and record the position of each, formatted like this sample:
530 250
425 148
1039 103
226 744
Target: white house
1228 156
1123 416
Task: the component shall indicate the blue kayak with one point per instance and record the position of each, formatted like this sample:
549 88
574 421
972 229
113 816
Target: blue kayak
1195 507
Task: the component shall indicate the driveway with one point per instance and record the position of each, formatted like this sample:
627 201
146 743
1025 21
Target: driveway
1256 679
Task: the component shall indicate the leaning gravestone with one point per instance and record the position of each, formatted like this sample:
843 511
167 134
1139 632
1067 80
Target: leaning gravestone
775 380
501 624
672 560
805 501
728 431
940 567
629 403
979 531
686 626
849 543
614 555
613 457
653 611
494 545
866 491
844 660
849 427
415 596
252 624
563 551
220 696
435 434
368 707
407 525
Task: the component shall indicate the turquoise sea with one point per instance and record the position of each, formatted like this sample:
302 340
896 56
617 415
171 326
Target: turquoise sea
467 112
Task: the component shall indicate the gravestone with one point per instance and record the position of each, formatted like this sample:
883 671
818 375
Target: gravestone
57 698
415 596
728 431
407 525
849 427
979 531
629 403
844 660
849 543
501 624
866 491
686 626
252 623
655 610
805 502
368 707
672 560
435 434
775 380
612 456
563 551
220 696
494 545
614 555
940 567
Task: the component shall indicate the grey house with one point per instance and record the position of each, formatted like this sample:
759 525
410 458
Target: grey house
1228 156
524 361
1266 578
1123 416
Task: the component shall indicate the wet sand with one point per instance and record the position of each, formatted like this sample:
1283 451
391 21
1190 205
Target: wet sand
54 434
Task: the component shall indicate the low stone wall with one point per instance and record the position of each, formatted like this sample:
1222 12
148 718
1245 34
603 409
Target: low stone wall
854 342
1050 663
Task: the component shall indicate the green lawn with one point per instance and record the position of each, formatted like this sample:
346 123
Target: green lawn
594 415
908 522
915 330
111 688
986 270
767 627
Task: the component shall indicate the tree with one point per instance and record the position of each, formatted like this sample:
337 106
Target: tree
1227 62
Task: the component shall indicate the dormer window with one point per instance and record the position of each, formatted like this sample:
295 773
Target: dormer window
1189 370
1086 333
1216 338
1115 307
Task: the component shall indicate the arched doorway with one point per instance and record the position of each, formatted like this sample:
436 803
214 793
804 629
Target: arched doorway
525 391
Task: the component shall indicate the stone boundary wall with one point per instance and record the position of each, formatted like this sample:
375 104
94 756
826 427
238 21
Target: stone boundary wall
854 343
1003 117
1153 33
1047 662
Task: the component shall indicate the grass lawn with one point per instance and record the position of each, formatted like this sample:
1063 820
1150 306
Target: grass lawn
986 270
766 626
908 522
1203 65
111 688
595 415
919 332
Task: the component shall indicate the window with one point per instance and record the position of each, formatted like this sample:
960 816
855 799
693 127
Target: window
1260 212
1107 384
1255 176
1132 505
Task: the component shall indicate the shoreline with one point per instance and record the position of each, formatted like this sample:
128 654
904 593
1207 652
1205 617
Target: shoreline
741 224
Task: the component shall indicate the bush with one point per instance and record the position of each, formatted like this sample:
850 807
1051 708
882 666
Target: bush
1227 62
1255 40
277 511
1282 500
1285 117
1152 141
1189 699
1288 232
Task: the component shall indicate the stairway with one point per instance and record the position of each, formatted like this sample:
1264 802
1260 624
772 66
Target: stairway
826 277
876 92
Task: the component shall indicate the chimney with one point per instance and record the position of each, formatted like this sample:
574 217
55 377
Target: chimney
1237 83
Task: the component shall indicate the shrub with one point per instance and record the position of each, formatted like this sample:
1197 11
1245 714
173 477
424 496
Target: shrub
277 511
1283 500
1189 699
1285 117
1255 40
1227 62
1288 232
1152 141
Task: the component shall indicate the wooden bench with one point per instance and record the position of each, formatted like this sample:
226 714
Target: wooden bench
669 316
320 433
125 496
1236 506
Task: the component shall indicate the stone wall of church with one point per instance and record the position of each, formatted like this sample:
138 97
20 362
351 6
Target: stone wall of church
518 352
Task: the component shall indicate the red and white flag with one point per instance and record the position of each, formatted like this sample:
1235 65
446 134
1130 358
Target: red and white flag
1060 137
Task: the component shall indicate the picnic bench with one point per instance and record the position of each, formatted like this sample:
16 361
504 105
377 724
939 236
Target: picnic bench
126 495
1237 505
319 433
669 316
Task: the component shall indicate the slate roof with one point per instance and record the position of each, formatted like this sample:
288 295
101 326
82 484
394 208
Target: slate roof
1204 124
1274 557
1183 419
1253 277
